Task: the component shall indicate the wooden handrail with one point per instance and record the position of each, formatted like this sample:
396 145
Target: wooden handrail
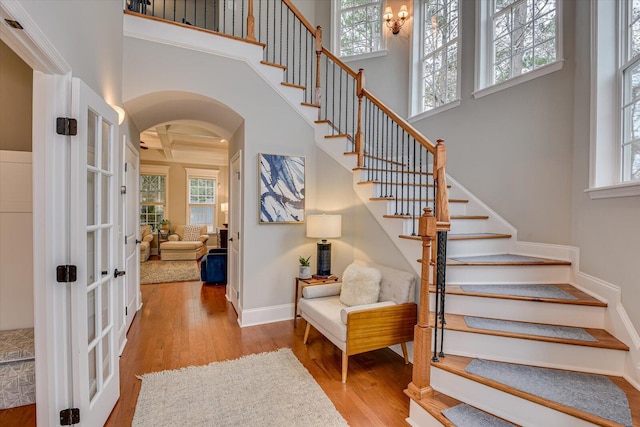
401 122
299 15
338 61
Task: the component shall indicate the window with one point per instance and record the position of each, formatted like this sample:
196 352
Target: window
630 73
201 197
153 195
438 56
357 27
615 100
517 37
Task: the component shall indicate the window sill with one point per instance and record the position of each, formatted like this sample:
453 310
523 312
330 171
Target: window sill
362 56
542 71
434 111
626 189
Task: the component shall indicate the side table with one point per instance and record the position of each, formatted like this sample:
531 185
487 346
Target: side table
163 236
303 283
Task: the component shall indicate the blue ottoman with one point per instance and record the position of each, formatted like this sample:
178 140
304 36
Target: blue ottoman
213 267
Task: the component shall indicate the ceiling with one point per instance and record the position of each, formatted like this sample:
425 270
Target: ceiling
183 127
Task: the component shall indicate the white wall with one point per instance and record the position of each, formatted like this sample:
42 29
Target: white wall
16 241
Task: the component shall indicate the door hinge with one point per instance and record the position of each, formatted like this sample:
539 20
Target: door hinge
66 273
125 166
126 310
123 189
125 240
69 416
66 126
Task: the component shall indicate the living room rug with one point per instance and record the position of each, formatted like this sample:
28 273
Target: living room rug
266 389
168 271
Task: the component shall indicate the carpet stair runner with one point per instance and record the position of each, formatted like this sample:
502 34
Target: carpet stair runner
17 368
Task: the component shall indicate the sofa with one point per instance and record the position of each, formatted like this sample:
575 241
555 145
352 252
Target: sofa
386 318
213 267
146 237
187 242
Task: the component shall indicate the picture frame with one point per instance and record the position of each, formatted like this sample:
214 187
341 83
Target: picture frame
282 189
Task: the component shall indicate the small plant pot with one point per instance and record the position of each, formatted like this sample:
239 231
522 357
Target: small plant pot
305 272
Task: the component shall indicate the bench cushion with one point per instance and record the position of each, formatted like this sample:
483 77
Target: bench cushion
326 313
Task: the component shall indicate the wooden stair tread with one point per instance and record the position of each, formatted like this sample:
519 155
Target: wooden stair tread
273 64
457 364
307 104
391 171
408 184
452 217
437 403
495 260
393 199
293 85
339 135
465 237
456 322
582 298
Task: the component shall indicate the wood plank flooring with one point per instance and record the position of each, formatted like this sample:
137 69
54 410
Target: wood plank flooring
183 324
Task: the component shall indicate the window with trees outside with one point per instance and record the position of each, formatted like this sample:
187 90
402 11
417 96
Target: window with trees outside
630 71
517 38
153 199
201 198
438 58
357 26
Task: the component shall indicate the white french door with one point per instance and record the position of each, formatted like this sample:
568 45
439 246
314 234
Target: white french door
235 244
132 234
93 197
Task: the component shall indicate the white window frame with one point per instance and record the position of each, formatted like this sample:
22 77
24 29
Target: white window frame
417 59
484 52
158 170
335 38
204 174
606 101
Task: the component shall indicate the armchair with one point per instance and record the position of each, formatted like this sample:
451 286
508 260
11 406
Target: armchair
360 328
187 242
146 237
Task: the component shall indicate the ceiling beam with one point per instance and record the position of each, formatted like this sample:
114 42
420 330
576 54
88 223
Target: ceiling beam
166 141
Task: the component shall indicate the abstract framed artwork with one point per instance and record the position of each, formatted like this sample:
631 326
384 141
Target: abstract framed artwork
282 187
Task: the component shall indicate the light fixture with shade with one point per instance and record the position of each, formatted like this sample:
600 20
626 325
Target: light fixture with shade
395 24
224 208
324 227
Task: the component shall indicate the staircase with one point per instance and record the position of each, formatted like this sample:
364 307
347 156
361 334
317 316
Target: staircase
557 324
17 368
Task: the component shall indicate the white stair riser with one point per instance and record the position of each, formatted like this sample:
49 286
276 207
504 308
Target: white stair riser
525 311
458 226
469 274
535 353
501 404
398 208
405 192
394 177
474 247
419 417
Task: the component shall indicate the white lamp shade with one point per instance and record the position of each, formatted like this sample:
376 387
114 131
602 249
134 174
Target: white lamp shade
324 226
388 13
224 207
403 12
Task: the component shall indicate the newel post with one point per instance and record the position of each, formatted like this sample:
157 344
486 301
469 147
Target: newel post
251 27
359 141
420 385
318 69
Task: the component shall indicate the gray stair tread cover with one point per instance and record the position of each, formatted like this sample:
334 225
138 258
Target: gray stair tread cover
551 331
591 393
463 415
533 291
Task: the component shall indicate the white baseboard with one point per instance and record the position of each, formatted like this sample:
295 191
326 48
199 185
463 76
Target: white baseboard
260 316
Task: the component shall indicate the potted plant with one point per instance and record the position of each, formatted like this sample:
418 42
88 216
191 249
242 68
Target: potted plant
305 267
164 224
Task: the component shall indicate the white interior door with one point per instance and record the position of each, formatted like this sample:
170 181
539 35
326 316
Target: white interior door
94 249
234 286
131 233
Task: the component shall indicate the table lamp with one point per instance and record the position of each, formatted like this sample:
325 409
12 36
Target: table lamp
324 227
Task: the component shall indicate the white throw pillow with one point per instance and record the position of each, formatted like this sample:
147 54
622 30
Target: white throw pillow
360 285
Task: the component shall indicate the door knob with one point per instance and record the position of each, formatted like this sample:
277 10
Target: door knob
117 273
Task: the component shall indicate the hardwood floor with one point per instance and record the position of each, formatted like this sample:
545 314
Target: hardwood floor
183 324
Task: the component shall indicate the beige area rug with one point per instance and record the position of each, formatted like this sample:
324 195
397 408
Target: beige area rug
266 389
168 271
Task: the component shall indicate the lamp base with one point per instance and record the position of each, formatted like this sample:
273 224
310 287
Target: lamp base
324 259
